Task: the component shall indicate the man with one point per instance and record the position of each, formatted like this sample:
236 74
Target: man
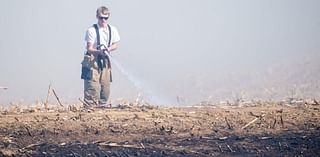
97 85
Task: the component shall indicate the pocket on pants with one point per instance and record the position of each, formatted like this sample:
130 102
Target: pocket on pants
86 73
87 61
86 70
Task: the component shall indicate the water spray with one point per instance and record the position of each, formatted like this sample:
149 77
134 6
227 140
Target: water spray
142 88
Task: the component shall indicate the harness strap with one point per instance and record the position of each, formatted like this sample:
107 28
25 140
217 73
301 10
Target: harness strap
101 60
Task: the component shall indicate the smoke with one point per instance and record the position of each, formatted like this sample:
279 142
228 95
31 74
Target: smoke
171 52
143 89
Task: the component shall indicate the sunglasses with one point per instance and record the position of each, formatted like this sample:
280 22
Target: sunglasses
103 18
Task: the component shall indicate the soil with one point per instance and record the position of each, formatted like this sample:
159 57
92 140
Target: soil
264 129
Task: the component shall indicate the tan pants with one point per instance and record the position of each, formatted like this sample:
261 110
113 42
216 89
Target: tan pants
97 90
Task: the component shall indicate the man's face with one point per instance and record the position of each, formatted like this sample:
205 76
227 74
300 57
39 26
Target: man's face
102 19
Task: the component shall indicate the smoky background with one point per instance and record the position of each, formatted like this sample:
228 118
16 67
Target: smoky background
170 53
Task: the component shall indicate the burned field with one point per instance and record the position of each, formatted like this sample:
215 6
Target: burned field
257 129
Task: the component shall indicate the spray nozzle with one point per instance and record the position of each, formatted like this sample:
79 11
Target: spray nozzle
101 45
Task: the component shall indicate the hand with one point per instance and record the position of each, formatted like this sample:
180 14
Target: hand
107 49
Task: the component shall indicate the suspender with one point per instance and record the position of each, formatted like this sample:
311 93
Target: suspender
100 59
98 35
109 42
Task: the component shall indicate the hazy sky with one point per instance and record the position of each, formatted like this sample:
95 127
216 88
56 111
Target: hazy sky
195 49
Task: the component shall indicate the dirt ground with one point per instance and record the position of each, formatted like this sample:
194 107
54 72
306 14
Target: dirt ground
254 129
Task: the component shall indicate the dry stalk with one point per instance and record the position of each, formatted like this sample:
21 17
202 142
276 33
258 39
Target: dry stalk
84 103
229 126
220 148
55 94
281 120
231 150
47 98
252 121
121 145
94 101
274 123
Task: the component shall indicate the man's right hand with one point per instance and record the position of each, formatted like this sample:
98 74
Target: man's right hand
94 51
